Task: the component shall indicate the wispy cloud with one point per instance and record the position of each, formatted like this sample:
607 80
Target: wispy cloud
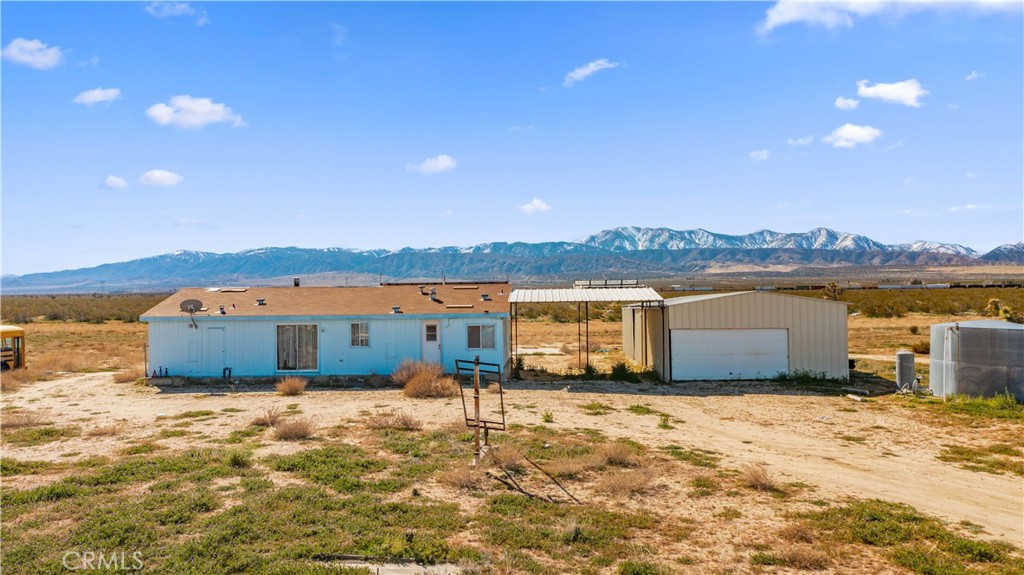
164 10
534 206
193 113
831 15
581 73
162 178
969 208
797 142
974 75
115 183
95 96
852 135
906 92
760 155
33 53
435 165
846 103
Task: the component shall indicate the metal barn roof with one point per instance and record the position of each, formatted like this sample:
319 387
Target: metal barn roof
982 323
629 294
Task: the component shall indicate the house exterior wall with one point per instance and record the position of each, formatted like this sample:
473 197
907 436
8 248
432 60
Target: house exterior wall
250 344
817 328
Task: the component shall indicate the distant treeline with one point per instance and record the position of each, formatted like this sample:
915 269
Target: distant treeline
94 308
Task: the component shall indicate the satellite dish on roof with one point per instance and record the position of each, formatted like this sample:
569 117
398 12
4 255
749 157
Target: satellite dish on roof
191 305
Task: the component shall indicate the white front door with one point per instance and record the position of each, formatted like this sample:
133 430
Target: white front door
431 342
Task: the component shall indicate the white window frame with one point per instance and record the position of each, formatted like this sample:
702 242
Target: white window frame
480 337
353 335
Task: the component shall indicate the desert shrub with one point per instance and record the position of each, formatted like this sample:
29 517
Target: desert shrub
494 388
9 384
914 330
797 533
107 430
993 307
547 417
405 370
21 419
291 385
294 429
757 476
394 420
269 418
618 454
376 380
922 347
508 457
238 458
518 365
621 372
428 380
129 375
639 568
885 309
463 477
624 483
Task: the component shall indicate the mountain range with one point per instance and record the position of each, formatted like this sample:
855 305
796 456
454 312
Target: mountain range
620 252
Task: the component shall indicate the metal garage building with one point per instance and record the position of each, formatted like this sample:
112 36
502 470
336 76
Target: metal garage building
742 335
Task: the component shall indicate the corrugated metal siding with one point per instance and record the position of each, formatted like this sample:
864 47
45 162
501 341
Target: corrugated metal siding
817 328
584 295
251 346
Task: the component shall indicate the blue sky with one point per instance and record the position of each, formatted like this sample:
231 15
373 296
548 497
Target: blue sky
133 129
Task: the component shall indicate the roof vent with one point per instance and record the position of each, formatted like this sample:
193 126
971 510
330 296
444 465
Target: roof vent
433 294
396 309
295 281
261 301
485 297
423 290
222 312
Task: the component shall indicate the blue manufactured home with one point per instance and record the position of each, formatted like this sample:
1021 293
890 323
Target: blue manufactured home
276 331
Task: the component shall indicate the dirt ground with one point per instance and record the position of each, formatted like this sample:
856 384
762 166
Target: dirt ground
835 446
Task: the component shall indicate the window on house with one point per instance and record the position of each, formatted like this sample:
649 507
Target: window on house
480 336
431 332
296 348
361 334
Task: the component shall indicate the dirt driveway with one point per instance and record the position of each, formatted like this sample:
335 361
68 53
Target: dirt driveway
875 449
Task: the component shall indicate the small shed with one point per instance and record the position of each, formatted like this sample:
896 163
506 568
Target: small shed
274 331
977 358
738 336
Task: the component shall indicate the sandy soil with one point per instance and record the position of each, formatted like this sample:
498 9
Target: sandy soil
842 448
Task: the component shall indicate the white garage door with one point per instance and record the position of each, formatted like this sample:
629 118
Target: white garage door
729 353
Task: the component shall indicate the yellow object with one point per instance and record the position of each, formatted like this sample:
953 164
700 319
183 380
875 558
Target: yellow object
12 347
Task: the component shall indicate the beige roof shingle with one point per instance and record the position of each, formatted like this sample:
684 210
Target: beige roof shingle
328 301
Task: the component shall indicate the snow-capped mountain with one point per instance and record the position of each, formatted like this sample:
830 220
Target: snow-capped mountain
622 252
632 238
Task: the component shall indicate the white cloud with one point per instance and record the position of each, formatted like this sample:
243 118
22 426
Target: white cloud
760 155
852 135
906 92
535 205
831 15
805 141
193 113
90 62
435 165
579 74
974 75
846 103
176 9
33 53
969 208
115 183
970 175
160 178
90 97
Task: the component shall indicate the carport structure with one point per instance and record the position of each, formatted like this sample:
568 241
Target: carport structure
582 294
